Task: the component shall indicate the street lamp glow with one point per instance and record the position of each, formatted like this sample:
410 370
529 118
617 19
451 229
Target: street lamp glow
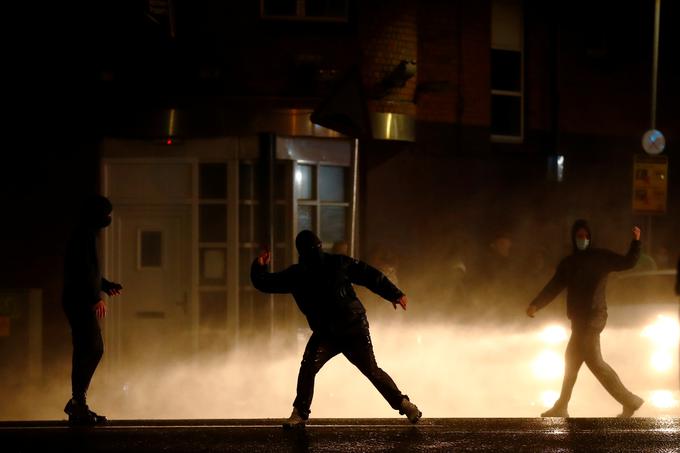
663 399
548 398
548 365
661 361
664 332
554 334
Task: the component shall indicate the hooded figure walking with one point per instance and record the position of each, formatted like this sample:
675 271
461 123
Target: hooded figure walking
584 275
322 287
84 287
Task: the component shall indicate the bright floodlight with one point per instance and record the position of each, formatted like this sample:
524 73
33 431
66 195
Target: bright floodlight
549 397
554 334
661 361
663 399
664 332
548 365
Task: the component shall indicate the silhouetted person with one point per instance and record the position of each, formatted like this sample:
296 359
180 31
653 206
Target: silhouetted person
584 275
322 287
84 306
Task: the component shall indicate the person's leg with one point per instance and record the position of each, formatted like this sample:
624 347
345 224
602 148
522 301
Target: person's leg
606 374
318 351
573 359
358 349
88 348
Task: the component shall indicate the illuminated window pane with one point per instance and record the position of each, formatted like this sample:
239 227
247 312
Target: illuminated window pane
306 218
213 266
333 223
304 182
332 183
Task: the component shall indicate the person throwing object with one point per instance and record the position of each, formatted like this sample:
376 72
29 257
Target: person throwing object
584 275
321 284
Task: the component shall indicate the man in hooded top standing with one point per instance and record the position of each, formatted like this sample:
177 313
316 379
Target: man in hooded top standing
84 306
321 284
584 275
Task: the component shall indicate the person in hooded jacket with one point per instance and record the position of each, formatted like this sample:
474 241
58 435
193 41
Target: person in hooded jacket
584 275
84 306
321 284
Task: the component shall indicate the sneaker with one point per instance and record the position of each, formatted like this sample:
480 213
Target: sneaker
295 420
410 410
556 411
629 410
81 415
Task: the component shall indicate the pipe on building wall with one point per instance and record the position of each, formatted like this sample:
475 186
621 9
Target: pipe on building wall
266 165
353 214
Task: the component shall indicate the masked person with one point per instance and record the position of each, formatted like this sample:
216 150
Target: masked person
322 287
584 275
84 306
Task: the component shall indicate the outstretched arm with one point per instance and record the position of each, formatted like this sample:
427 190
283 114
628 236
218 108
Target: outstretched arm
618 262
362 274
268 282
555 286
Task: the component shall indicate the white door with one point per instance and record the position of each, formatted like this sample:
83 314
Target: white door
151 322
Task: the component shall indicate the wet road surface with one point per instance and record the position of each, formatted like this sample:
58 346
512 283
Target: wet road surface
349 435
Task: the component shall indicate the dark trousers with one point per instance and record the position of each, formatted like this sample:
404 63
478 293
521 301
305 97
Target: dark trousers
88 348
355 344
584 346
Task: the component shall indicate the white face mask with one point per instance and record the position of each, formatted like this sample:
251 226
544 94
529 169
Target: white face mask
582 244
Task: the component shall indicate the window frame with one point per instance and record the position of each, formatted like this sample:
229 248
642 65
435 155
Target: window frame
317 203
301 16
502 138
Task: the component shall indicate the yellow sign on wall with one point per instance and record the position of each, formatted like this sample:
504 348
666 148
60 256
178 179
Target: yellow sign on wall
650 184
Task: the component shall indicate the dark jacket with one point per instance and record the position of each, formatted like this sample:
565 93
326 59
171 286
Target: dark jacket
584 274
83 282
324 292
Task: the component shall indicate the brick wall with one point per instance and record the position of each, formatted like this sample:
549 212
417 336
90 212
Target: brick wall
388 34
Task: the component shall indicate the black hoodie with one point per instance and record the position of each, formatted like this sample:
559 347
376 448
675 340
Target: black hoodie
584 275
83 282
323 289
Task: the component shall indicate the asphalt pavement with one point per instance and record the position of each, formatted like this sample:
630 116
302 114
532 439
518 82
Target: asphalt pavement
349 435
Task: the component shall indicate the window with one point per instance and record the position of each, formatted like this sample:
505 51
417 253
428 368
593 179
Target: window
319 10
507 76
322 201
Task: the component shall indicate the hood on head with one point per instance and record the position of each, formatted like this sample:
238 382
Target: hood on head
96 212
580 223
308 246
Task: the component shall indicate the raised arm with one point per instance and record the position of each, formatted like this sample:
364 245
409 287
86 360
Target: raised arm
270 282
618 262
555 286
